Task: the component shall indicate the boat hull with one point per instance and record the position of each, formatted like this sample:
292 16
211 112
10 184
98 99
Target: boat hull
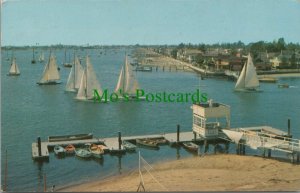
147 143
48 83
191 146
58 150
13 74
83 153
70 137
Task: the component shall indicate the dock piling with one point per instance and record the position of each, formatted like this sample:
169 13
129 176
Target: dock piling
269 153
120 140
39 146
289 127
45 183
178 132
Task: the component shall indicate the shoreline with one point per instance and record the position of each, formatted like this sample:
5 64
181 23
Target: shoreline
221 172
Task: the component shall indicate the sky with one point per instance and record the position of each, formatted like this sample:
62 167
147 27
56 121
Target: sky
130 22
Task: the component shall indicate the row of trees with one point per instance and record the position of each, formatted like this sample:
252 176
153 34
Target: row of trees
260 46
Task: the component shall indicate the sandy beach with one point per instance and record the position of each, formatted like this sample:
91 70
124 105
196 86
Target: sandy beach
208 173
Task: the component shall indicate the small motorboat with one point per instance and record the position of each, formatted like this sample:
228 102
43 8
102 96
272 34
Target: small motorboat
128 146
70 149
190 146
83 153
147 142
59 150
96 151
283 86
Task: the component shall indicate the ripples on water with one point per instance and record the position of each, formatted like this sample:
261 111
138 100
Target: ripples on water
29 110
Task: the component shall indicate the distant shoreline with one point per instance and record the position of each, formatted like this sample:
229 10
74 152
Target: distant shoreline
224 172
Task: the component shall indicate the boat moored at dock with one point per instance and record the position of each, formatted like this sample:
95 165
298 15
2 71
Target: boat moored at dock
147 143
70 137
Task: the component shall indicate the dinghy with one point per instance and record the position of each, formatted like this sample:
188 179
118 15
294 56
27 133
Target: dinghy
59 150
147 143
96 151
190 146
128 146
70 149
83 153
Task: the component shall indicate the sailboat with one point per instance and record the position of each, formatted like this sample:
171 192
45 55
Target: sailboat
50 75
67 64
248 81
127 83
33 59
14 69
74 76
88 83
42 57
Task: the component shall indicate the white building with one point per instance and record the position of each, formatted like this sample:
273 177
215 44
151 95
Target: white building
209 117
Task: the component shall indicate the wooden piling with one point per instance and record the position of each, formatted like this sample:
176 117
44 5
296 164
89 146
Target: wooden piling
289 127
298 157
195 136
205 146
119 140
269 153
178 132
227 147
163 68
39 146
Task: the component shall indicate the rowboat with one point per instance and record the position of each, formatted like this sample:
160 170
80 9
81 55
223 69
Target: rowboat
104 148
268 79
96 151
70 149
70 137
59 150
147 142
161 141
83 153
190 146
128 146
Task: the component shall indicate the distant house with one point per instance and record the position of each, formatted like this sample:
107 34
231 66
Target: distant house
275 62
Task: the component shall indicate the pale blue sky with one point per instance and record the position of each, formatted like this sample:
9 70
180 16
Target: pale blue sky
111 22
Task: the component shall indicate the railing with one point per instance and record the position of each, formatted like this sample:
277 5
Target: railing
258 139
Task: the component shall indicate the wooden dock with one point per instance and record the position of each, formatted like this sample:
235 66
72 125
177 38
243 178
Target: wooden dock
112 143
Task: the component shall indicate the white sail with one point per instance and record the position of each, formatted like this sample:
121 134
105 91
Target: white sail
120 84
127 81
74 78
240 84
248 77
88 83
14 69
50 73
251 80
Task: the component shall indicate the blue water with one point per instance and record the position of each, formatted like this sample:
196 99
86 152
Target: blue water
29 110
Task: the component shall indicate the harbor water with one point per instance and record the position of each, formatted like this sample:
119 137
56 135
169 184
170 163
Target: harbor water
29 110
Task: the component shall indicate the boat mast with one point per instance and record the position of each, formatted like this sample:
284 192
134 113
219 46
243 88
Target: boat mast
74 71
86 84
65 56
124 73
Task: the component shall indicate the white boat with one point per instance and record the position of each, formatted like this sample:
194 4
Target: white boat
14 69
42 57
74 79
127 83
247 81
50 75
88 83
